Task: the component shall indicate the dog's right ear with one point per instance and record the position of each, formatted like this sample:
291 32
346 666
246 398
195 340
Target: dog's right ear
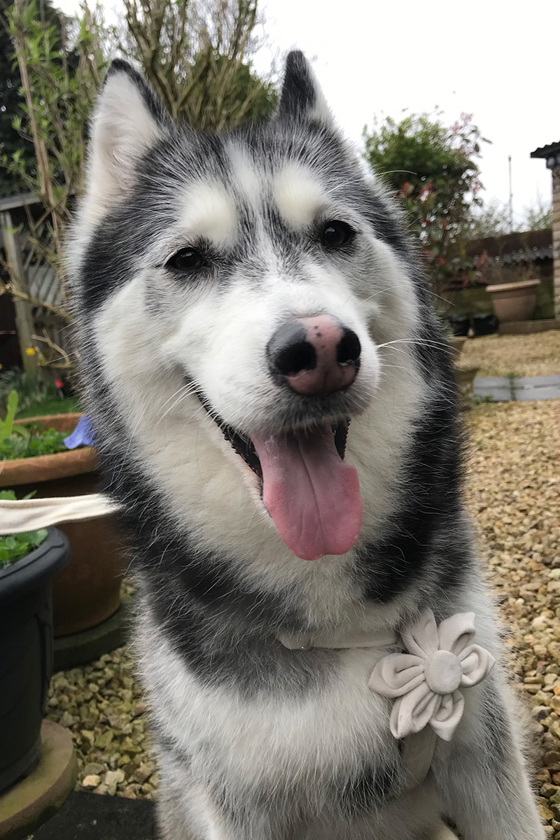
127 121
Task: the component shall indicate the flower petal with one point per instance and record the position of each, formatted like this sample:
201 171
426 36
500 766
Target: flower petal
446 718
456 632
421 637
476 663
396 674
413 711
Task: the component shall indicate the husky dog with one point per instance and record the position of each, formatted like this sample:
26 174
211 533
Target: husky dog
275 412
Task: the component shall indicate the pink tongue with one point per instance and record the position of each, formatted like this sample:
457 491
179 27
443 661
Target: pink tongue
312 495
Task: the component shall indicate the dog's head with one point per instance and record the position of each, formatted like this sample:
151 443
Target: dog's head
244 285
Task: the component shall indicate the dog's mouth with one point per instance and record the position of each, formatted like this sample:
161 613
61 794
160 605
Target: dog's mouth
312 495
245 447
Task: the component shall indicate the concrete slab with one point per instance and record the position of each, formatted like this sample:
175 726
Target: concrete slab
546 393
89 816
502 388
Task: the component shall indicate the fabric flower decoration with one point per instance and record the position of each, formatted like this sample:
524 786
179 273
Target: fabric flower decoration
82 434
426 680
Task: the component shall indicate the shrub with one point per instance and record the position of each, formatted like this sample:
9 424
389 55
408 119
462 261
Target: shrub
432 170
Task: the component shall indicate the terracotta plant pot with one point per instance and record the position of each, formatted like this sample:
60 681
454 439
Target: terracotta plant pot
87 591
514 301
456 343
464 380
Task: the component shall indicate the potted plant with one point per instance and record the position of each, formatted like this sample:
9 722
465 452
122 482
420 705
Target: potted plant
34 457
516 300
28 563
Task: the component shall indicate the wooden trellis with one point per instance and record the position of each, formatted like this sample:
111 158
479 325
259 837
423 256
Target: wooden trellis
37 294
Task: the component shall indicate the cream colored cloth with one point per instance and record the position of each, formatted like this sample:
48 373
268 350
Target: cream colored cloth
359 639
32 514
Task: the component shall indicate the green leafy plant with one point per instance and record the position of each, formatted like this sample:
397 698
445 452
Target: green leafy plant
7 429
38 442
30 389
512 381
15 546
26 441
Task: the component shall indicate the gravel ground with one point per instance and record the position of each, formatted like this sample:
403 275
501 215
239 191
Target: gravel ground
523 355
513 489
513 492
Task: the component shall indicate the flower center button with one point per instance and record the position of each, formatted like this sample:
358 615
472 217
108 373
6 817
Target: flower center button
443 672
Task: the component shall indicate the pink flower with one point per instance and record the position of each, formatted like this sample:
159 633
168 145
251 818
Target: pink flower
424 682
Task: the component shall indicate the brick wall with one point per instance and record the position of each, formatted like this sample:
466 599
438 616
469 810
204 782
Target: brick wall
556 236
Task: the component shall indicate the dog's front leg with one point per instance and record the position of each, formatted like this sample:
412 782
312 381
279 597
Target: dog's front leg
482 776
187 809
195 816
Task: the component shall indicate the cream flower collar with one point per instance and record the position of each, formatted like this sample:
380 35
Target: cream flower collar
424 681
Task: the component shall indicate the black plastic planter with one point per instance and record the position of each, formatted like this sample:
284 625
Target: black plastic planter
459 325
26 654
484 324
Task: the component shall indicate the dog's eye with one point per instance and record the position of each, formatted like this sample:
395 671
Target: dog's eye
336 234
187 260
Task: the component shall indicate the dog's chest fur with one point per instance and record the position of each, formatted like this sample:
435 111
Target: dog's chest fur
322 727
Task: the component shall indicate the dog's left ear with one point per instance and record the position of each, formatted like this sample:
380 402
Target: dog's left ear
301 96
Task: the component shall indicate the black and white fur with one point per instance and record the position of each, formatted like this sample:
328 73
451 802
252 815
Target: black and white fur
254 740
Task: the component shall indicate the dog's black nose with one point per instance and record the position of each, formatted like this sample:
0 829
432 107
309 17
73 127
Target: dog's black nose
315 355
